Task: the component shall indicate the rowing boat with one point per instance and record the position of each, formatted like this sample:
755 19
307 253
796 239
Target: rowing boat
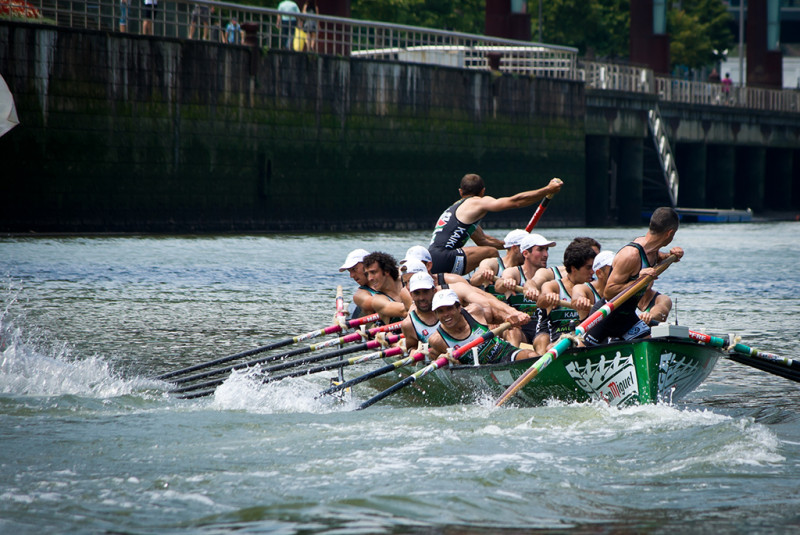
665 367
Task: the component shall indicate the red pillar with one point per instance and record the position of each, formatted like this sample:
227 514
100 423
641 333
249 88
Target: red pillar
764 67
333 38
500 21
647 48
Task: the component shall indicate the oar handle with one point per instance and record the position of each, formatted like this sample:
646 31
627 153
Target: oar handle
561 302
539 211
517 288
340 312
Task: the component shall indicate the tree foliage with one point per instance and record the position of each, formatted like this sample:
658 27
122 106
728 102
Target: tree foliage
696 29
455 15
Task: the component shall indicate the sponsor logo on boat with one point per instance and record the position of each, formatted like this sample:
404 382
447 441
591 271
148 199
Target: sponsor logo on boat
610 379
676 373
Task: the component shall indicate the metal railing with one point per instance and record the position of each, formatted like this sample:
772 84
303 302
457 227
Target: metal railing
333 35
640 80
366 39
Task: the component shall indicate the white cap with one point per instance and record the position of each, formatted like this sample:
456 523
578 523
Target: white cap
603 259
354 258
420 281
514 237
535 240
444 298
414 266
417 252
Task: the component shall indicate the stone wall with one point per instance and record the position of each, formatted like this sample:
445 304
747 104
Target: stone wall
130 133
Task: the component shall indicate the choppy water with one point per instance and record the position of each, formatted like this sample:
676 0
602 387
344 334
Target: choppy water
91 444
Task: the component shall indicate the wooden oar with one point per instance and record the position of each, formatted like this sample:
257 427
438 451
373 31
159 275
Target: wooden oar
371 344
411 359
539 211
384 353
353 337
519 289
274 345
391 339
340 316
566 342
768 362
391 352
438 363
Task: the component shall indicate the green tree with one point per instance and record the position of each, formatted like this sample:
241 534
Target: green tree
597 27
455 15
697 28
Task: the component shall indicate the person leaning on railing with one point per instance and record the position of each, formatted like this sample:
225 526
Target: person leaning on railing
287 22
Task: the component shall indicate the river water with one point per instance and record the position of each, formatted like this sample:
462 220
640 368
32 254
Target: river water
91 444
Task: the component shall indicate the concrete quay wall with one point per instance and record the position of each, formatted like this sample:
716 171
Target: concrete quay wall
129 133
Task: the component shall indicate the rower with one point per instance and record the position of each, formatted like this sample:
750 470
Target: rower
362 298
421 322
559 272
632 261
458 326
391 300
461 221
469 294
554 318
535 252
593 291
416 252
489 268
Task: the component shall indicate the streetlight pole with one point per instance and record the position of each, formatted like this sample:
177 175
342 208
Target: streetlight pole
540 21
741 44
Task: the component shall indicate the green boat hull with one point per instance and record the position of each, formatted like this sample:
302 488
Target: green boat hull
625 373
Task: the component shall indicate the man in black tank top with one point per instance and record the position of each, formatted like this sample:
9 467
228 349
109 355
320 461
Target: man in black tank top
461 221
632 261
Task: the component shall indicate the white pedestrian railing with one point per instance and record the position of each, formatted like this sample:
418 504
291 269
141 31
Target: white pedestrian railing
207 19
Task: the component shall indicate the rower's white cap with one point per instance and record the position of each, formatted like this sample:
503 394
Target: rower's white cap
535 240
414 266
513 238
420 281
444 298
354 258
603 259
417 252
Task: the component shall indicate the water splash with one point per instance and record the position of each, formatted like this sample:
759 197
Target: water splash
31 368
244 390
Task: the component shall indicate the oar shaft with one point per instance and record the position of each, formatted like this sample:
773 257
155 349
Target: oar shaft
274 345
353 337
621 297
742 349
438 363
538 213
391 352
372 344
416 357
565 343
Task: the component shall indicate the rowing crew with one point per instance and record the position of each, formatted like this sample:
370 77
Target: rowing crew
541 304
